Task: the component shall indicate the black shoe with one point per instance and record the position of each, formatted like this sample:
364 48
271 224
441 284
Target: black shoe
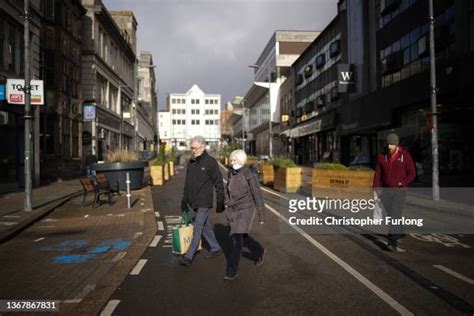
184 261
230 277
213 254
261 259
392 246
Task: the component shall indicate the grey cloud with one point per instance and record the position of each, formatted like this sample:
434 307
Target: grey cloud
210 43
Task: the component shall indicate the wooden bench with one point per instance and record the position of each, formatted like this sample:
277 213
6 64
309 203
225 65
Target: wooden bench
103 182
90 186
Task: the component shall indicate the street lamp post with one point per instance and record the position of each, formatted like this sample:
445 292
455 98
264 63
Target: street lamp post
27 117
270 136
434 129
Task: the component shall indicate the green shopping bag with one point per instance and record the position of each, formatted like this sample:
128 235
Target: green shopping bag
182 234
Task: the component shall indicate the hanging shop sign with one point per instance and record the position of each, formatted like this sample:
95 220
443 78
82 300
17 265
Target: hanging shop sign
16 93
345 78
2 92
89 112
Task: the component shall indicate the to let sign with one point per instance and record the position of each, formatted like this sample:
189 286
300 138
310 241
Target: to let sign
16 93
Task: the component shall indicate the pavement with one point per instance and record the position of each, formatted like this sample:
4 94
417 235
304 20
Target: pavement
77 255
13 217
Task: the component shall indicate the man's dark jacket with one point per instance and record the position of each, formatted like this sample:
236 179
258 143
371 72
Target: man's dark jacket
202 175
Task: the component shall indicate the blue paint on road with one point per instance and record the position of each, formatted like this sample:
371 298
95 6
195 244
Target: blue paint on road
92 253
68 259
67 245
117 244
99 249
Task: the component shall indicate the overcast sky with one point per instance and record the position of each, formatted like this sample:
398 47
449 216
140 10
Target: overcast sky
211 42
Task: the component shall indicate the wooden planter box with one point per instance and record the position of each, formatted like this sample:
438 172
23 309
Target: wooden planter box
167 171
251 161
171 165
287 180
342 184
157 175
267 172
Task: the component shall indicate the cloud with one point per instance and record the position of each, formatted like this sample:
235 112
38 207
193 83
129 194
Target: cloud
211 42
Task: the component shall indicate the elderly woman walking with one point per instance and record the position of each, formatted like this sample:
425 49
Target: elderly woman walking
243 197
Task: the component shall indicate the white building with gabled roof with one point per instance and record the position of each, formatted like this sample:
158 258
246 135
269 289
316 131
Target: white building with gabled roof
190 114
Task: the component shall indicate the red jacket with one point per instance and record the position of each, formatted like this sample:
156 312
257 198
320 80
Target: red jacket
399 172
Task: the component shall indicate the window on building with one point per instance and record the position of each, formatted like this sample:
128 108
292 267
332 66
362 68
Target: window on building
206 101
173 111
12 49
192 101
174 122
184 111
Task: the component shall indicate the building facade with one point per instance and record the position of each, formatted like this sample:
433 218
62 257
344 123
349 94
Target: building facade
108 71
194 113
313 133
61 117
262 98
147 105
12 66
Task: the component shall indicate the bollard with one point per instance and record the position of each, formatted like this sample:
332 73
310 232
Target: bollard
128 190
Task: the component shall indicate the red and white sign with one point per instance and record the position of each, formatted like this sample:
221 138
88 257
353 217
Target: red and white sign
16 95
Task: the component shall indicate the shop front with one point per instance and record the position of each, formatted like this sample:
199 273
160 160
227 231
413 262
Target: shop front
316 141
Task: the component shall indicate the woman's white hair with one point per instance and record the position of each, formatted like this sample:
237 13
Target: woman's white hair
239 155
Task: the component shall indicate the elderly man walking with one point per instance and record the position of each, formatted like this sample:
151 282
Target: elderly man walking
202 176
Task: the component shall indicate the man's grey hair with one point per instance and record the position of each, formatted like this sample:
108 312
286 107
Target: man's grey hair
198 139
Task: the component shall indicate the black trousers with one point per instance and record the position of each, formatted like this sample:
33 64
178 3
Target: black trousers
394 201
238 241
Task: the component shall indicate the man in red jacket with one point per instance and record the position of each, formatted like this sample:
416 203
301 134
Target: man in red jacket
394 172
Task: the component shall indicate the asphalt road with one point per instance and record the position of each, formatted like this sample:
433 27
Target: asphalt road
305 273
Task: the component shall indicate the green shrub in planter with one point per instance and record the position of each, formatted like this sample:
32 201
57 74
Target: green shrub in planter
281 162
331 166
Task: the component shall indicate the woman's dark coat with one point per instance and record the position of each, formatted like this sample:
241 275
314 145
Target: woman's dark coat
243 197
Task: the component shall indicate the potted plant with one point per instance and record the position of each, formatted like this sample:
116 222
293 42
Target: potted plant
287 176
335 180
120 162
171 159
157 171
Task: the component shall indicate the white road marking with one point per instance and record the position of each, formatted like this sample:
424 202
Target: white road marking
8 223
166 246
39 239
454 274
141 204
137 234
146 210
109 308
160 225
155 241
110 214
86 216
12 216
119 256
49 220
138 267
121 215
157 214
358 276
